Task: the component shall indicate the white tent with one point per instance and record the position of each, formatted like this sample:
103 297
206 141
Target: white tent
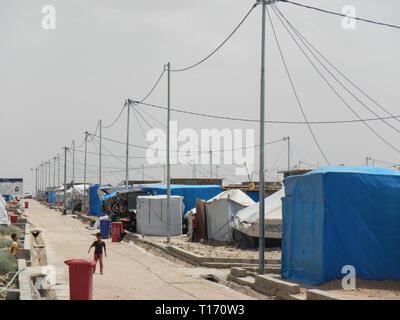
220 213
151 215
247 220
4 219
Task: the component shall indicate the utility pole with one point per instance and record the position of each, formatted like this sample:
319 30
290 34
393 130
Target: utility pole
48 195
288 139
41 180
73 163
211 164
84 175
100 153
36 185
262 124
128 104
216 171
168 160
367 161
65 175
58 182
45 178
54 172
142 172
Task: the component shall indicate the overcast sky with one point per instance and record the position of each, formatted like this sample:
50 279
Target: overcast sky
56 84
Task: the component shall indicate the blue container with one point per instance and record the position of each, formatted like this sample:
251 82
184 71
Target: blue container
105 228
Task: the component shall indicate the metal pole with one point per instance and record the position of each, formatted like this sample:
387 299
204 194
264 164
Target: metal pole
367 161
211 165
40 180
100 153
36 184
65 175
54 172
49 180
128 104
58 182
45 178
262 119
168 160
84 175
73 163
143 172
288 154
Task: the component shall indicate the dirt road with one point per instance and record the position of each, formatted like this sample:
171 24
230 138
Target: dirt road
129 271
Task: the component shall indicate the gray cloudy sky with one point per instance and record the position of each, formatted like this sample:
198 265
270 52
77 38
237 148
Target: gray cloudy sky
56 84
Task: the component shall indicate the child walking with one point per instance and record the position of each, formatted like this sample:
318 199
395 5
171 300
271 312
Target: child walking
98 251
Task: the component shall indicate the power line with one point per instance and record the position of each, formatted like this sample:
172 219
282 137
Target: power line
115 120
332 75
267 121
341 15
295 91
332 88
219 47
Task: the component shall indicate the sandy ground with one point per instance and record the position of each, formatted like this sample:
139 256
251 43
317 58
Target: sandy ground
214 249
130 272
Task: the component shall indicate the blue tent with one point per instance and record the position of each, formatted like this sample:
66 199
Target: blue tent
94 201
189 192
111 195
338 216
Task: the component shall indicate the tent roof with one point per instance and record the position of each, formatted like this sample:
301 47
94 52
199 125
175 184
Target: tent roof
346 169
235 195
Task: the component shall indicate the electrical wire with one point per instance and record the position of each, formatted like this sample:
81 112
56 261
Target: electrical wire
267 121
334 67
332 75
219 47
340 14
333 89
295 91
115 120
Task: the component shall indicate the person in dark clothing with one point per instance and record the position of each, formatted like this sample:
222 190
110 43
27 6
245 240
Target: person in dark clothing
98 251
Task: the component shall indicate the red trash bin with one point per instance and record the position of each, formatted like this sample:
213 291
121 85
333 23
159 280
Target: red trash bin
116 230
26 204
13 218
80 278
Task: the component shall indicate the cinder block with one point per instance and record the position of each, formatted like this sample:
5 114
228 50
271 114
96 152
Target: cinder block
238 272
277 284
316 294
12 294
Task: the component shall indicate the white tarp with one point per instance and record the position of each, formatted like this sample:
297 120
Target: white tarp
220 213
13 187
4 219
247 220
151 215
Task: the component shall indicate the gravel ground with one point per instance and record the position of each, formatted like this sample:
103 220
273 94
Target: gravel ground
214 249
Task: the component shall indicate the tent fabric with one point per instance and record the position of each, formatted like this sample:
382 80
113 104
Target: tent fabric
189 192
247 219
338 216
152 216
94 201
4 219
220 212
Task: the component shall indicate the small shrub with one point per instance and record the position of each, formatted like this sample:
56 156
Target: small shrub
8 263
10 229
4 243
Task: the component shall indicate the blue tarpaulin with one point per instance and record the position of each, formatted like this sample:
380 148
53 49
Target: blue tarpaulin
189 192
111 195
94 201
338 216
